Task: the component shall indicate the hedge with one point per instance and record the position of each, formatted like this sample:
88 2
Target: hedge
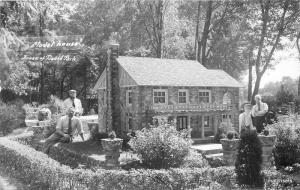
34 167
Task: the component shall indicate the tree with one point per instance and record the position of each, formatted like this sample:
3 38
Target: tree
276 21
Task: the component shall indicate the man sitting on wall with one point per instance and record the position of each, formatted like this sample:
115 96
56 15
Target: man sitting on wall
67 126
259 111
72 101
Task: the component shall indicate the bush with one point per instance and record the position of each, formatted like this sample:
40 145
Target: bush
249 160
32 166
287 142
195 160
11 117
162 146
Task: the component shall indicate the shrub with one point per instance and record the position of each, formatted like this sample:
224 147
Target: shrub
11 117
195 160
32 166
162 146
249 159
287 142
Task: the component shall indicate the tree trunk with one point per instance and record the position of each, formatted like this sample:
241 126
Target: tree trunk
197 53
160 28
250 65
42 85
256 87
206 32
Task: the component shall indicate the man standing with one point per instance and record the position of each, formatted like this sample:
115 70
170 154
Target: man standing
74 102
258 112
67 126
245 121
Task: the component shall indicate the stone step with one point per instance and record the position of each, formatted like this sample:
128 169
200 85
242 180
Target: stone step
207 149
207 140
218 155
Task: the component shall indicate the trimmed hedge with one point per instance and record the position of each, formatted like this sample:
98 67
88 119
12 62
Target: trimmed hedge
33 166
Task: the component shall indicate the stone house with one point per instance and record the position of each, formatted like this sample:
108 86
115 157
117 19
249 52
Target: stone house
184 90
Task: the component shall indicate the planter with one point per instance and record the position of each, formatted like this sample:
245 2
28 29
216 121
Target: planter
112 149
230 145
267 140
230 149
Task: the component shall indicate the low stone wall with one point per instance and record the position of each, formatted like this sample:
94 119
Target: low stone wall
60 152
267 150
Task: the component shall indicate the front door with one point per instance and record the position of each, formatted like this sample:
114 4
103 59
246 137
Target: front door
182 122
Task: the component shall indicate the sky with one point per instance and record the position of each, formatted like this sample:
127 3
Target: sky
287 64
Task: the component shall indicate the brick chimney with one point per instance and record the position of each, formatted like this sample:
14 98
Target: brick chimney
113 114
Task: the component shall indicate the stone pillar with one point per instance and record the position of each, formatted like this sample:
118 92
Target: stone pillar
112 149
267 148
230 149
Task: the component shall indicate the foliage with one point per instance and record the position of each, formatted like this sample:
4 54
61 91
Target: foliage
12 116
162 146
284 96
194 160
287 141
249 160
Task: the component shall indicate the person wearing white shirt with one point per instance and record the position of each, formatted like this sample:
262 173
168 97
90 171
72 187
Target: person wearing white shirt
259 111
67 127
245 120
74 102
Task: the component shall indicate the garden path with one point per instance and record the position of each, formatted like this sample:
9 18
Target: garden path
8 183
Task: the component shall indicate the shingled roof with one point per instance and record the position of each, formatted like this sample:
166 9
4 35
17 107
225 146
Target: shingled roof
173 72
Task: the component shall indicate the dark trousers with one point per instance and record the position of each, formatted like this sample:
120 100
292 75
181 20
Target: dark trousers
258 122
55 138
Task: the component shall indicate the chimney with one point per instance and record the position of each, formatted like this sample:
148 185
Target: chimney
113 114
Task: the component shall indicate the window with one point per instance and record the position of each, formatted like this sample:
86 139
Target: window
128 97
160 96
130 123
225 116
182 96
206 121
204 96
227 98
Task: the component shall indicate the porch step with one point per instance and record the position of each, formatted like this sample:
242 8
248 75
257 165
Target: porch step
206 140
207 149
218 155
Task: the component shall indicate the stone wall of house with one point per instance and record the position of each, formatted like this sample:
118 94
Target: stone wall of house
142 100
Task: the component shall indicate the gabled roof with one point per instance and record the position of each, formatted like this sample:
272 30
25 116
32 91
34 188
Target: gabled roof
145 71
173 72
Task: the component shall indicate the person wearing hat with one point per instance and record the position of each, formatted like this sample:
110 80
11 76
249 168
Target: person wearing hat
259 111
67 127
245 120
74 102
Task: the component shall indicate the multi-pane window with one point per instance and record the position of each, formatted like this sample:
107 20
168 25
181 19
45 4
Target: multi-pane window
206 121
204 96
160 97
182 96
128 97
226 116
